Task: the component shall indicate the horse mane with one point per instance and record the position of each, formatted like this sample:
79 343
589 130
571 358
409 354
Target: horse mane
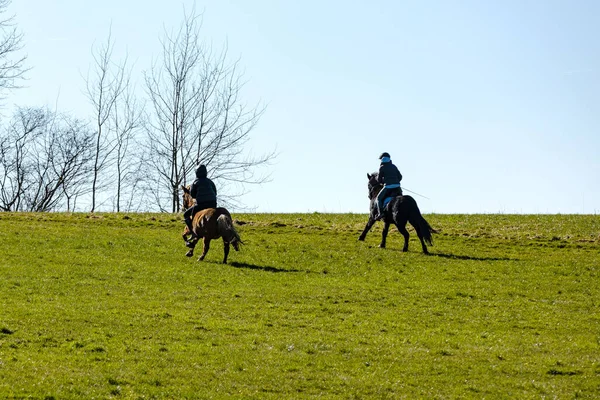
373 176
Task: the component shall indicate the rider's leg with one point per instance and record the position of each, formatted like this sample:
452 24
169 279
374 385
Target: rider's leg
187 216
380 198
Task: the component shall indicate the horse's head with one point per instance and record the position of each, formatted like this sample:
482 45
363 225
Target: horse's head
187 199
374 185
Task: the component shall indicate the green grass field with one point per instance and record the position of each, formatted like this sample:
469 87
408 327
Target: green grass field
107 306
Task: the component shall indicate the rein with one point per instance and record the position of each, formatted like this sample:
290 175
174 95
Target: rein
374 191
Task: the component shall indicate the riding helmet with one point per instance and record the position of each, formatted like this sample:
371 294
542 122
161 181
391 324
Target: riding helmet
384 155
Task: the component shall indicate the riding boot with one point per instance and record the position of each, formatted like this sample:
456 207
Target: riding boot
379 213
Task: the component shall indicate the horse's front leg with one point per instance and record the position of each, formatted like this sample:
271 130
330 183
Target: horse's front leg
367 229
225 251
191 245
386 227
205 249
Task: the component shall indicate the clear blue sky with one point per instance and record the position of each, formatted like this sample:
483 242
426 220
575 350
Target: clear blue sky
485 106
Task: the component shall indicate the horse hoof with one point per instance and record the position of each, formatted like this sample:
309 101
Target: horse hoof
361 239
382 246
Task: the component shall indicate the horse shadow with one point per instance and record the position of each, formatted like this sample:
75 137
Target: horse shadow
461 257
265 268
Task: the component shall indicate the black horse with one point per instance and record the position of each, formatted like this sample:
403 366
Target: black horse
399 211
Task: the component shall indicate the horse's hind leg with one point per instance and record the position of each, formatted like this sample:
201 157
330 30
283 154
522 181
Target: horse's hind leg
402 228
420 235
225 251
425 251
205 249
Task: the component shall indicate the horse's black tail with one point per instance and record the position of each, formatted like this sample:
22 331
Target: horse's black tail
421 225
426 230
227 231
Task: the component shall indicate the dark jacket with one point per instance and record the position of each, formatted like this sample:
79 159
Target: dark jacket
203 189
389 174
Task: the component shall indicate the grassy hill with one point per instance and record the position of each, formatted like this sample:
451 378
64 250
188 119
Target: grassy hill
107 306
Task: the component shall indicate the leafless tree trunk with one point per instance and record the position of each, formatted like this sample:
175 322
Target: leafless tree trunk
103 91
198 116
12 65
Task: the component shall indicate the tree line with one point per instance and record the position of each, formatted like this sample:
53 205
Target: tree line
134 151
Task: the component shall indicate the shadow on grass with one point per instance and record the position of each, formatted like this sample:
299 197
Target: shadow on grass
260 267
459 257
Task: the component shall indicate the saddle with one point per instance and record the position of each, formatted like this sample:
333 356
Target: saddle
391 195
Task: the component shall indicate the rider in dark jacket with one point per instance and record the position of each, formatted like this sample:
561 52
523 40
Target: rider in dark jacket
390 177
205 192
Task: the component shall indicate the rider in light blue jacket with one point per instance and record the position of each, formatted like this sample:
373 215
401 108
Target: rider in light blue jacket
390 176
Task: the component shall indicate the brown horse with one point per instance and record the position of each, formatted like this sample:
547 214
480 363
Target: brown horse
209 224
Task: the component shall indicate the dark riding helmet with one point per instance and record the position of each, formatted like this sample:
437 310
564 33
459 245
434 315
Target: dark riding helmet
201 171
384 155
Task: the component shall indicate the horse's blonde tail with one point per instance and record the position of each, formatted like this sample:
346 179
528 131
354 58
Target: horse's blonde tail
227 231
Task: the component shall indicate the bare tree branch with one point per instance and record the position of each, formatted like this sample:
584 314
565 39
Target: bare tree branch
12 65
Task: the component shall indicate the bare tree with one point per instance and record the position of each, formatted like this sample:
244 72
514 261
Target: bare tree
16 156
46 160
127 121
62 165
198 116
12 65
103 91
